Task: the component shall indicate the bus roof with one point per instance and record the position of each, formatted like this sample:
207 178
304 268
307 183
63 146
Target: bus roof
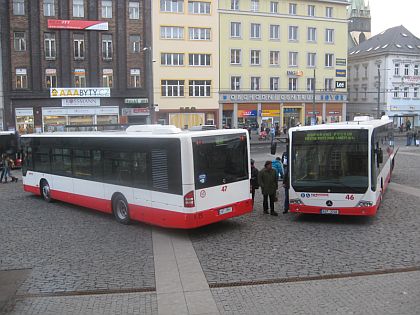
368 124
159 132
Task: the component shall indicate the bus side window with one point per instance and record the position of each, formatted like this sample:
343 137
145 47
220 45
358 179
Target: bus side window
140 169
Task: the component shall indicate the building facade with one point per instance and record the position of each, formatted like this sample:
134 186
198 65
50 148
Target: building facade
282 62
386 65
359 22
185 62
74 64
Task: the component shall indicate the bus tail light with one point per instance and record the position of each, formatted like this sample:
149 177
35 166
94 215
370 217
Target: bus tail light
295 201
189 200
363 203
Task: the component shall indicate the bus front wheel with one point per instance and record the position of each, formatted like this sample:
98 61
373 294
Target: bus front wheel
120 209
45 191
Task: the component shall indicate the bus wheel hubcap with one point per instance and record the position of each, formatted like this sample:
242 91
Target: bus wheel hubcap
122 210
46 191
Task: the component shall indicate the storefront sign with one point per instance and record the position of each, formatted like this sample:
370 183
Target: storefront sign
62 111
271 113
80 92
81 102
280 97
50 71
340 84
247 113
340 73
411 79
78 25
136 101
341 62
135 112
295 73
20 71
24 111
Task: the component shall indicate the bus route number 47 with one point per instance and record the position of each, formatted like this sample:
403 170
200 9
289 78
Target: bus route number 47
224 188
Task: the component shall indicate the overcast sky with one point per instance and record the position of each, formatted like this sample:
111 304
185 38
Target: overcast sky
389 13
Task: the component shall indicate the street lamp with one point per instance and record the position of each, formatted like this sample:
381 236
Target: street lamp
313 99
149 82
378 111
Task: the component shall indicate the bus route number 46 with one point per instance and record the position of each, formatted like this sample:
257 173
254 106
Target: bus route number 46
349 197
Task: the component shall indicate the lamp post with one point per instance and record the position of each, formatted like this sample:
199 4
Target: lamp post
378 111
313 99
149 77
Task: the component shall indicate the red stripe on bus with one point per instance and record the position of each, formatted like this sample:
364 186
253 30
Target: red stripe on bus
154 216
358 211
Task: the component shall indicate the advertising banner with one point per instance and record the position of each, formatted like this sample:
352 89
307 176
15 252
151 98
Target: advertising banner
80 92
78 25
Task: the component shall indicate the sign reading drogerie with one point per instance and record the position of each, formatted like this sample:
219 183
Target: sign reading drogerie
80 92
78 25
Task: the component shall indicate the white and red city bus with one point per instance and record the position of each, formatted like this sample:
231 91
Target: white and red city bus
342 168
154 174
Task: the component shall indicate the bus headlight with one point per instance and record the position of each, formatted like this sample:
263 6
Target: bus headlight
295 201
363 203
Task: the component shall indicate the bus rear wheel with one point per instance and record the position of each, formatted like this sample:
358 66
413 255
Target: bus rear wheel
46 191
121 210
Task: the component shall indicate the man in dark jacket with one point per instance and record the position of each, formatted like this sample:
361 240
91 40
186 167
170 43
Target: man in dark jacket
286 185
267 179
254 179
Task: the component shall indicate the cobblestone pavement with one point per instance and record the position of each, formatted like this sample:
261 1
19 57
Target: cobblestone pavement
70 248
406 168
384 294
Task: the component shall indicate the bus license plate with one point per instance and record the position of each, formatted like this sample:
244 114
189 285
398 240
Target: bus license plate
329 211
225 210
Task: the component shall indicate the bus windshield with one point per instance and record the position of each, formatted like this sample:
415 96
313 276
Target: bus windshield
332 161
220 160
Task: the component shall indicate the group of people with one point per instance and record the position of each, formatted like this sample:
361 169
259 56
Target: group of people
268 178
7 164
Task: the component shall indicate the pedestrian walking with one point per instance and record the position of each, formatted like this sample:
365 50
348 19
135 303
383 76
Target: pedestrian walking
272 134
7 169
286 186
4 168
409 136
267 179
408 125
278 167
254 180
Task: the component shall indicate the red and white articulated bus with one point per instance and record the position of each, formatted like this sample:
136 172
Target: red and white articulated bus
154 174
341 168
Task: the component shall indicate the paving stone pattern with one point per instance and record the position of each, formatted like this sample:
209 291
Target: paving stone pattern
71 248
407 167
384 294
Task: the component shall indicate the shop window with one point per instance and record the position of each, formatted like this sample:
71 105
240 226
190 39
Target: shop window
54 123
133 10
25 124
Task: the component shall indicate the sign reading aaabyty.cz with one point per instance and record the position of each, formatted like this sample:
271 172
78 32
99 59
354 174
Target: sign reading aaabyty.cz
78 25
80 92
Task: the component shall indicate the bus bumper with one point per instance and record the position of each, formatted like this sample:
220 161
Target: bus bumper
356 211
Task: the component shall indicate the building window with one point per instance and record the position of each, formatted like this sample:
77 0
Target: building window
199 59
274 83
49 46
107 78
199 88
78 8
406 69
274 7
79 78
311 10
133 10
79 46
292 8
18 7
172 88
293 56
235 29
106 47
328 84
293 33
275 32
235 56
174 6
234 5
134 43
329 12
21 79
311 34
199 33
171 32
106 8
274 58
198 7
329 35
235 83
365 67
356 93
329 60
396 92
19 41
416 92
135 78
364 93
311 62
255 30
171 59
49 9
406 91
50 78
255 5
255 83
416 70
255 57
397 69
293 83
356 72
310 84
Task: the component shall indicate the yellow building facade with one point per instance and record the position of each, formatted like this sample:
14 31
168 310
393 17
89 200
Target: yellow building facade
271 52
185 57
